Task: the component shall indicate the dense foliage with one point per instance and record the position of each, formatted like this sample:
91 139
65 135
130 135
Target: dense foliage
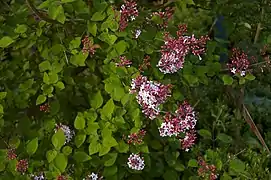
94 89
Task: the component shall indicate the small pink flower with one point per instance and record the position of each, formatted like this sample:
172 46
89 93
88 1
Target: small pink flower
124 62
128 12
89 47
165 16
189 140
175 50
22 166
136 162
150 95
206 170
11 154
45 107
146 63
239 62
61 177
183 120
136 138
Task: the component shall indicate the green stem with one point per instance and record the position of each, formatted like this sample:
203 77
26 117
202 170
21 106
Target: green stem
259 26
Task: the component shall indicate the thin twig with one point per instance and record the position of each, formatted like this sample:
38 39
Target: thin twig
39 14
212 27
253 127
235 155
259 26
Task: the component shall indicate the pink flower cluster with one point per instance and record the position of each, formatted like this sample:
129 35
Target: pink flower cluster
11 154
175 50
128 13
183 121
22 166
165 16
88 46
150 95
136 162
136 138
146 63
124 62
239 62
206 170
45 107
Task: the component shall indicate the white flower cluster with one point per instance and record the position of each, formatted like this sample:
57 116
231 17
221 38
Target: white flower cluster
136 162
137 33
167 129
92 176
36 177
67 131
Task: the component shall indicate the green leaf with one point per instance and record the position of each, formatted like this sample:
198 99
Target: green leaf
224 138
79 59
121 47
170 175
56 12
92 128
6 41
58 139
67 150
3 95
53 11
97 100
53 77
237 165
60 85
122 147
250 77
50 155
1 109
179 167
104 150
79 139
108 109
41 99
61 162
20 29
79 122
191 79
108 38
14 142
192 163
46 78
47 89
94 146
50 78
228 80
110 159
98 16
110 171
61 15
242 80
44 66
81 156
75 43
144 148
32 146
92 28
67 1
205 133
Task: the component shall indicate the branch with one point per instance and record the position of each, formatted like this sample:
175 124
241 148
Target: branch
39 14
254 128
259 26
